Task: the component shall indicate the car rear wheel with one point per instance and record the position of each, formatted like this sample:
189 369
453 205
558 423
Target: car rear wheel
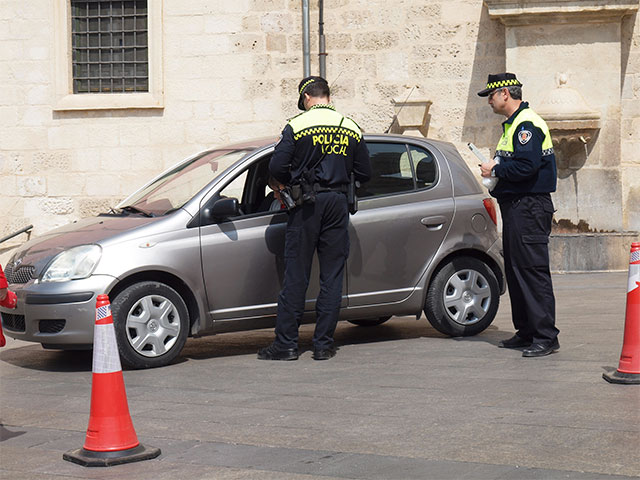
463 297
151 322
369 322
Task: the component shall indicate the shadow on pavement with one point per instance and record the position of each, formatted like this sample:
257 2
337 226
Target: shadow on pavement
36 358
246 343
6 434
492 335
397 328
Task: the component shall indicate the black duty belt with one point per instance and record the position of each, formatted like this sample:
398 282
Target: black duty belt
336 188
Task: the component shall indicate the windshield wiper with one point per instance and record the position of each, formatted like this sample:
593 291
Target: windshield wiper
112 211
132 209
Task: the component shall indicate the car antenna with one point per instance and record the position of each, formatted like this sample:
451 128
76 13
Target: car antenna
395 115
335 79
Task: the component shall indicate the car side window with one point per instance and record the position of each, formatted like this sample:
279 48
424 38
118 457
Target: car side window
398 167
425 167
251 188
391 170
235 188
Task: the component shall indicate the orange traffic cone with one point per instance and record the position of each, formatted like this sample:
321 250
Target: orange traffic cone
111 439
629 368
10 301
3 341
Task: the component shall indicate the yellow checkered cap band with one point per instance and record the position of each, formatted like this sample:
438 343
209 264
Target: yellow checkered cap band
503 83
304 85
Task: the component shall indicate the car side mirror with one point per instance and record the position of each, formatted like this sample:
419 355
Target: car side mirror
223 209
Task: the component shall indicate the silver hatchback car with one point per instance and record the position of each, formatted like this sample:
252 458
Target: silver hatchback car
199 251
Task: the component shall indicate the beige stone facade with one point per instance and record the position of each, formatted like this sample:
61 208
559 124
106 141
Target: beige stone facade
226 70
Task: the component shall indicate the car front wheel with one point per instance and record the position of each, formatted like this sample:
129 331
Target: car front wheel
151 322
463 297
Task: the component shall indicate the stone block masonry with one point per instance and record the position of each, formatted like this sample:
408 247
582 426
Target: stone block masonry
230 70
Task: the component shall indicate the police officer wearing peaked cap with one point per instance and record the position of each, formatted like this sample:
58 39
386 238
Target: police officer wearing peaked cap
525 166
317 152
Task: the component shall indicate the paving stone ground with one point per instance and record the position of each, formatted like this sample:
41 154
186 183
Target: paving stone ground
399 401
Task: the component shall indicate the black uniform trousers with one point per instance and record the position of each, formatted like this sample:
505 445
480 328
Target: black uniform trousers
525 236
322 225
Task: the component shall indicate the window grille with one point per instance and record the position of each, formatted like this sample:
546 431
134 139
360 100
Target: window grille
110 46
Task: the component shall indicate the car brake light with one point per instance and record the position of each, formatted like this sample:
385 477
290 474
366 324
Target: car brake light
491 209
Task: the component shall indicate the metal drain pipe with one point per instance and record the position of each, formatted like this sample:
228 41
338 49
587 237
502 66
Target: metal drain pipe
322 48
306 48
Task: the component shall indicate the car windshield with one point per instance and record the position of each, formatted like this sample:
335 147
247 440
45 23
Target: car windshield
177 186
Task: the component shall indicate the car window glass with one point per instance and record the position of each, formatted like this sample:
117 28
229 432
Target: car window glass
425 167
405 165
235 188
173 189
251 188
262 199
391 170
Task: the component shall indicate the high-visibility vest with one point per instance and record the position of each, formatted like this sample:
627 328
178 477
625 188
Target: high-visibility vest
323 120
505 144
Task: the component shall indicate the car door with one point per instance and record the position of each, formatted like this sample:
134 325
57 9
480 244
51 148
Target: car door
405 211
243 256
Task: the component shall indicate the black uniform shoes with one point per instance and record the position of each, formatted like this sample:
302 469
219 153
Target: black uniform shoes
530 349
514 342
273 352
324 353
541 349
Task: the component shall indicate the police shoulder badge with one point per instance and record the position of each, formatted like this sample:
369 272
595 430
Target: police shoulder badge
524 136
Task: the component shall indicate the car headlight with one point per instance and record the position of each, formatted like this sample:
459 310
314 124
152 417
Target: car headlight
72 264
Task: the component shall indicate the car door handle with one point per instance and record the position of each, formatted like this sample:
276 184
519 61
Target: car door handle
434 223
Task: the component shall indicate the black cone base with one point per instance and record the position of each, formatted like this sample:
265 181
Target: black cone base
89 458
620 377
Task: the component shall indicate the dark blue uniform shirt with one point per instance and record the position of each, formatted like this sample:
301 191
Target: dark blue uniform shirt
343 143
529 170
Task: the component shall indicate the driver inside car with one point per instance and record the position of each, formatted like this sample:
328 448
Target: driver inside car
272 202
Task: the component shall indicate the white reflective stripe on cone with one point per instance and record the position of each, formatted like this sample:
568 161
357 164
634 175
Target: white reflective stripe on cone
106 358
103 312
634 276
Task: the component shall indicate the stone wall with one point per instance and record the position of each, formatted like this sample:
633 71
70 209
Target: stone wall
230 71
630 121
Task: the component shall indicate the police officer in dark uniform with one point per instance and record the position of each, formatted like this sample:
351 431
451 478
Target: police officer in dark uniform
315 157
525 167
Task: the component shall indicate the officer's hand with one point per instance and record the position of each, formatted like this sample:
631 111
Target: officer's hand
276 186
486 167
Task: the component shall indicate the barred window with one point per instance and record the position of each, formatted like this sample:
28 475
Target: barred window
110 46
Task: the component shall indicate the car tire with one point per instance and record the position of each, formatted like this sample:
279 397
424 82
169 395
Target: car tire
151 322
370 322
462 298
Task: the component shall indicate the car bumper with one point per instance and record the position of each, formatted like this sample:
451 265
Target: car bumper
56 314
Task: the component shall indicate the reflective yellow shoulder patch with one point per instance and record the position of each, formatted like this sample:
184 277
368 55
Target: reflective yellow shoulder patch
323 120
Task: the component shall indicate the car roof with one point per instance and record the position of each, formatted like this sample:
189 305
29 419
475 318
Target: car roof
447 149
254 143
262 142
